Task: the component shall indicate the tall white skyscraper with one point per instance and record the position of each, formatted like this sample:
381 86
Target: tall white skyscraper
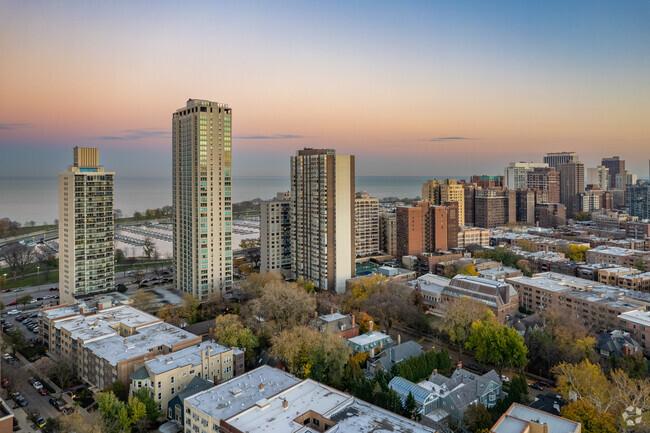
598 176
275 235
86 227
322 218
202 197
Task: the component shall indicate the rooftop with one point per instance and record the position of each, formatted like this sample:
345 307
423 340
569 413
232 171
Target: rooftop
616 251
333 317
637 316
188 356
103 323
517 417
370 338
554 282
116 348
241 392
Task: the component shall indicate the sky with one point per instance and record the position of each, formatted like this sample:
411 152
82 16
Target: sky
410 87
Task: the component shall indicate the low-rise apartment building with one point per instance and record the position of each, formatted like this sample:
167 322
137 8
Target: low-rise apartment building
473 236
617 256
598 305
639 281
167 375
610 275
105 345
637 323
523 419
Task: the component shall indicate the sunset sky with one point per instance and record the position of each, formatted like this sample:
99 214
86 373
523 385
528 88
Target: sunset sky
411 88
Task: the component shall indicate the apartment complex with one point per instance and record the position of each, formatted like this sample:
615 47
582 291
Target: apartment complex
202 198
525 206
106 344
637 323
516 173
86 227
617 256
523 419
553 159
501 298
550 215
494 207
167 375
388 233
615 166
366 224
469 236
638 198
546 183
427 228
322 218
599 176
572 183
596 304
269 400
275 235
440 192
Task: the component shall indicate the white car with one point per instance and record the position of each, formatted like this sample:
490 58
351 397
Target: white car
37 385
505 379
12 312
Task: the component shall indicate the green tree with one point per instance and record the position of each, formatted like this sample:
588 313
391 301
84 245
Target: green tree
150 404
122 288
120 390
591 419
497 344
411 407
114 413
583 216
459 316
640 265
584 381
477 417
229 331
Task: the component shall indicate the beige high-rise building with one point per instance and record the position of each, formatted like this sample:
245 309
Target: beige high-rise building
366 224
438 192
202 197
86 227
322 218
275 235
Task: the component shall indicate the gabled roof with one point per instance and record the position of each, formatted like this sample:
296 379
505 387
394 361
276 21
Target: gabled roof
195 386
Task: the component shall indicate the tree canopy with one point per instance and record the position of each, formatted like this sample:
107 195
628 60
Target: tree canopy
497 344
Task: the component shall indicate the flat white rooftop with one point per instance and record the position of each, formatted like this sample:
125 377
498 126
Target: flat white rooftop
188 356
369 338
333 317
116 348
518 416
637 316
241 392
554 282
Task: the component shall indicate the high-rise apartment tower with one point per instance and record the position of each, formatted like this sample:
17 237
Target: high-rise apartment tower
554 159
86 227
322 218
438 192
201 193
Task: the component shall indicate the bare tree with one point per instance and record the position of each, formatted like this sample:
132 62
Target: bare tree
148 247
8 227
17 256
138 276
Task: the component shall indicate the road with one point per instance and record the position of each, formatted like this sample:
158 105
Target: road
36 402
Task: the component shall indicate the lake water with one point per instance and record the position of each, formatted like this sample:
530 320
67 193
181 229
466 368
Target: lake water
36 199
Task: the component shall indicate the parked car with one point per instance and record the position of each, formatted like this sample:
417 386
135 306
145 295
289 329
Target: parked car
21 401
43 391
12 312
537 386
37 385
504 378
40 422
6 356
58 404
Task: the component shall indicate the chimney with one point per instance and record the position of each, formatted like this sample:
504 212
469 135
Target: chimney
371 326
260 386
435 371
354 321
399 339
315 314
460 365
332 310
285 404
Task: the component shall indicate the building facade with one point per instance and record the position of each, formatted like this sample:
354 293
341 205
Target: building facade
495 207
572 184
516 174
615 166
275 235
438 192
526 206
388 233
547 182
501 298
322 218
554 159
202 197
638 197
598 176
366 224
86 227
469 236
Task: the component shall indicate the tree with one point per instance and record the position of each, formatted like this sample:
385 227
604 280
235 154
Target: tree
17 256
254 284
229 331
62 373
24 300
119 256
145 301
16 339
364 319
171 314
635 366
148 247
309 353
114 413
582 216
584 381
122 288
576 252
137 216
150 404
640 265
190 308
591 419
252 251
411 408
497 344
284 305
459 316
362 289
120 390
477 417
8 227
468 269
90 423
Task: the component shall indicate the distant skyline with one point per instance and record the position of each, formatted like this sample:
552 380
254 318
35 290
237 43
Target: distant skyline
411 88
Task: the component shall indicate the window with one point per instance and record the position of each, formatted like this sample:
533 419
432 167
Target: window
173 391
159 384
159 395
172 379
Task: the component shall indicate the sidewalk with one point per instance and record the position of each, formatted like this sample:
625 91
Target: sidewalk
26 425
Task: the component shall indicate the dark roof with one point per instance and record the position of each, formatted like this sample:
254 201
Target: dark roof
615 341
200 328
548 403
196 385
140 374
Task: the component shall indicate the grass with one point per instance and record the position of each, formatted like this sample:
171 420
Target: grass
31 280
